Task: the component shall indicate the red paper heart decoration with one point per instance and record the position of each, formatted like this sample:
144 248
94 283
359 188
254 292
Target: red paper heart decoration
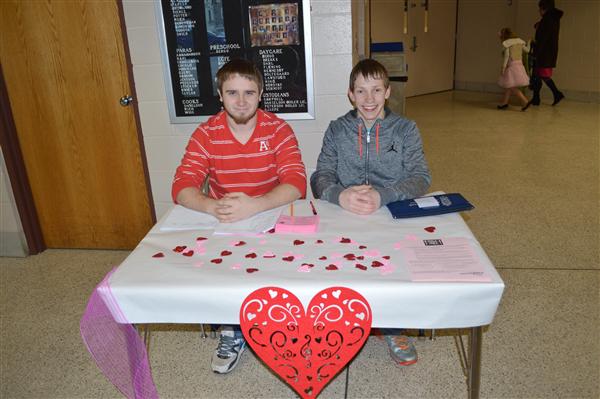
429 229
306 349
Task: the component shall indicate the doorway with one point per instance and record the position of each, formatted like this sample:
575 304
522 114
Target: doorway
66 67
427 29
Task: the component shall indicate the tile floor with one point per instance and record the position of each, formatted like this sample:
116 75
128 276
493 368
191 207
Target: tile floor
533 178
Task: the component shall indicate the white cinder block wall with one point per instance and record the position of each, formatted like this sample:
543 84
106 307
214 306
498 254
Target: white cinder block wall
165 142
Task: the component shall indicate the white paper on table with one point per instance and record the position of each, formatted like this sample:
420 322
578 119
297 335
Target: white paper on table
259 223
443 259
182 218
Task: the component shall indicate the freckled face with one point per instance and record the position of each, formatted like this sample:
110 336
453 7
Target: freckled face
240 97
369 97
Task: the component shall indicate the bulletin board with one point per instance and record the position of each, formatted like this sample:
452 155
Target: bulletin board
197 37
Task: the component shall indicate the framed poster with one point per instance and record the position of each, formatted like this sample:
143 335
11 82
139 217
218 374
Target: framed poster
198 36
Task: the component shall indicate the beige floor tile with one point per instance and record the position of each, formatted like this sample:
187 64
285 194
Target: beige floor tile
533 178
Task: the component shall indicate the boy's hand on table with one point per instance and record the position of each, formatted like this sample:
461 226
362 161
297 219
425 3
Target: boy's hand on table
234 207
362 200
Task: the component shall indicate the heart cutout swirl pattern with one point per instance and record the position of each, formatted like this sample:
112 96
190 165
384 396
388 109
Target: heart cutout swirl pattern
306 348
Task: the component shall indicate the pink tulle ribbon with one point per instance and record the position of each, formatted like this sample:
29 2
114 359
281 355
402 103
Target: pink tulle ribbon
117 348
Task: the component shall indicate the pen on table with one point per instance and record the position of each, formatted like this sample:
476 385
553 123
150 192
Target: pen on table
314 210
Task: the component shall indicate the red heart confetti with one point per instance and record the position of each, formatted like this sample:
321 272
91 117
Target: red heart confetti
308 264
158 255
179 248
226 253
430 229
240 243
332 267
305 354
271 231
362 247
217 260
387 257
298 242
200 238
319 242
376 263
323 258
188 253
361 267
268 255
251 255
251 270
360 257
288 258
350 256
345 240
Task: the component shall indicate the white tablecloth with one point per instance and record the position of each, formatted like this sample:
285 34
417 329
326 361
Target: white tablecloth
192 289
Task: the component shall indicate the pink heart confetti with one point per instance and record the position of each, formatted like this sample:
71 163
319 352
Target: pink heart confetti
236 266
304 269
373 253
387 269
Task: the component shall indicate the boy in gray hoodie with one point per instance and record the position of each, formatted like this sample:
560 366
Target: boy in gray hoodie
369 158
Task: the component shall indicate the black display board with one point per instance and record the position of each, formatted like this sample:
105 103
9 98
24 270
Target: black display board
199 36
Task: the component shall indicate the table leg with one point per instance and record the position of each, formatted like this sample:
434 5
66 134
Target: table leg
144 331
474 377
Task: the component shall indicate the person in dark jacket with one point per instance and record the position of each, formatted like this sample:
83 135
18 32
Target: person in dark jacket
545 51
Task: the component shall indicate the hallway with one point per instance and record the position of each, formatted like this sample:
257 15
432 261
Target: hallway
533 178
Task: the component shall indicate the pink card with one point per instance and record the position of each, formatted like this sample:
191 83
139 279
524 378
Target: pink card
297 224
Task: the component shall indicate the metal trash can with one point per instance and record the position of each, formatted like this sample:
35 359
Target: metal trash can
391 56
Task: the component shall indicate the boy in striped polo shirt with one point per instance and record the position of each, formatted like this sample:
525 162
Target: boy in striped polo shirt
252 162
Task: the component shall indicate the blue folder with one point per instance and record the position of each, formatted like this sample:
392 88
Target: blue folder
447 203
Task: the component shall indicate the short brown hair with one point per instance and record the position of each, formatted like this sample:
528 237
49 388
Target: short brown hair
506 33
369 68
241 67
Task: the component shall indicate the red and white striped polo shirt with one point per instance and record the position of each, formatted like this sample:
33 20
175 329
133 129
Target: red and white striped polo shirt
269 158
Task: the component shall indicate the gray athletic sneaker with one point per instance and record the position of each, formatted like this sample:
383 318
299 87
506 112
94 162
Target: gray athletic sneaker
402 349
229 352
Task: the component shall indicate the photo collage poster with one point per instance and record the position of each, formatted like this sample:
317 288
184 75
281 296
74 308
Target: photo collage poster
200 36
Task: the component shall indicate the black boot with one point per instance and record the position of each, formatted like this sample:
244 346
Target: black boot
536 85
555 92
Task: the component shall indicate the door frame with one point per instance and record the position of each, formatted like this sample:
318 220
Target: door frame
17 175
16 166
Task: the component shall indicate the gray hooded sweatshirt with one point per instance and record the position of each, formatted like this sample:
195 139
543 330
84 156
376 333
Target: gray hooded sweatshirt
389 157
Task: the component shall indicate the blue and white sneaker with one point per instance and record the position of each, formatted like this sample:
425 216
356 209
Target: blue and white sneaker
228 352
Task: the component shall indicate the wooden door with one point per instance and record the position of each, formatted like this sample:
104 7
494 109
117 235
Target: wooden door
429 55
65 70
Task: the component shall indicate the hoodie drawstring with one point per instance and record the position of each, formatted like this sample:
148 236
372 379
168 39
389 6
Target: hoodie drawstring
360 149
377 139
360 140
